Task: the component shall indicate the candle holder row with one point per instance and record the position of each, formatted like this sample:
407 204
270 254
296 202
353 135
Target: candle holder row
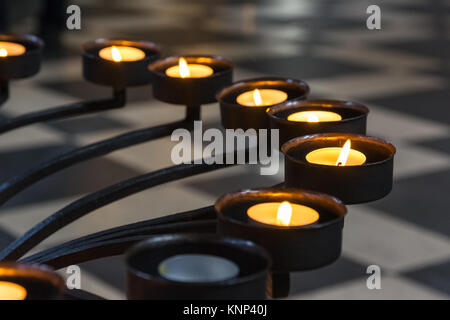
246 245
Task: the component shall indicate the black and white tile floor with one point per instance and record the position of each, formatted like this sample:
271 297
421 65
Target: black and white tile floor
401 72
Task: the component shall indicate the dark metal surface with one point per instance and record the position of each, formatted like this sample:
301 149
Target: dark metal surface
18 183
293 248
234 115
75 109
4 91
118 74
97 200
134 229
108 247
25 65
190 91
145 282
40 282
354 118
352 184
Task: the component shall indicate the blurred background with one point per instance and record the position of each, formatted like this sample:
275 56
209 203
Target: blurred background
401 72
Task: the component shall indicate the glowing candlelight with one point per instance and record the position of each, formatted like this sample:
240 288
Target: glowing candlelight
261 97
121 53
12 291
335 156
283 214
192 70
11 49
314 116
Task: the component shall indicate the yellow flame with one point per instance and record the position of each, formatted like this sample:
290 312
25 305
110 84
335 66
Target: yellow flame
257 97
117 57
312 117
3 52
284 214
343 156
183 67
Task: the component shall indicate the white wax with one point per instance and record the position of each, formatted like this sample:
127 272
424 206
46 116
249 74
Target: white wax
197 268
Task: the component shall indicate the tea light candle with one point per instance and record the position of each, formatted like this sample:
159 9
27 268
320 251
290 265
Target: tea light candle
283 214
11 49
185 70
12 291
197 268
335 156
261 97
314 116
121 53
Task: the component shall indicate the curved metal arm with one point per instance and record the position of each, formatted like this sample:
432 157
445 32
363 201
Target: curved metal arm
135 229
117 246
85 107
16 184
97 200
4 91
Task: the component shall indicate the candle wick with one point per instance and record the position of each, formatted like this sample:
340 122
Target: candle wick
339 164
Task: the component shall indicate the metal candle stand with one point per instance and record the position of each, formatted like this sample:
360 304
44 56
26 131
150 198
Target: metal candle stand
354 118
191 92
146 282
121 74
352 184
39 281
235 116
21 66
292 248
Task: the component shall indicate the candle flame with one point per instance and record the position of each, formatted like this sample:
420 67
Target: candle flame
3 52
257 97
284 214
343 156
312 117
117 57
183 67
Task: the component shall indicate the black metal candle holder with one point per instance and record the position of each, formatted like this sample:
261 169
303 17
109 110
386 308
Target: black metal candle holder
293 248
352 184
354 118
191 92
39 281
118 74
145 281
24 65
235 115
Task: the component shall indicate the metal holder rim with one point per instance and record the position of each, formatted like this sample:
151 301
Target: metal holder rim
238 244
287 146
276 193
274 110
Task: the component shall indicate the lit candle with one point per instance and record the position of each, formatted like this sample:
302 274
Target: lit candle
261 97
121 53
314 116
335 156
192 70
197 268
11 49
283 214
12 291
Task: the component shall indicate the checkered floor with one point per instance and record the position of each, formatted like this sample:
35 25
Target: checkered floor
401 72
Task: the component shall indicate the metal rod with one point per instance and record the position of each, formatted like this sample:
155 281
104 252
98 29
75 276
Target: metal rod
112 247
75 109
4 91
278 285
16 184
138 228
97 200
